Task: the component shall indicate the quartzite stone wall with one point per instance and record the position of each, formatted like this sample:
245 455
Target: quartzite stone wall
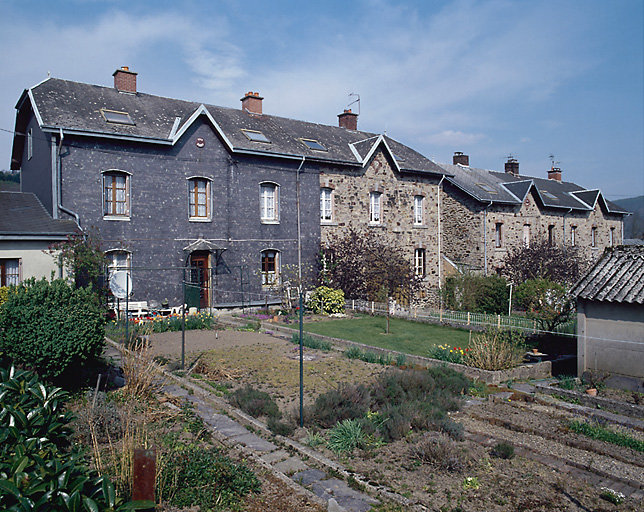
350 194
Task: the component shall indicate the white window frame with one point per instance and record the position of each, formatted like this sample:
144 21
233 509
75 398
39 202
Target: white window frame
551 235
270 277
420 262
611 237
375 208
111 215
498 235
192 212
419 210
573 236
526 236
30 143
113 263
326 205
15 278
269 211
593 237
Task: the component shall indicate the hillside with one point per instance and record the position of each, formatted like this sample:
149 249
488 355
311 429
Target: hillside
633 224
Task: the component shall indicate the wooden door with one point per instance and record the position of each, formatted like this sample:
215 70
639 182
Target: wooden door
200 274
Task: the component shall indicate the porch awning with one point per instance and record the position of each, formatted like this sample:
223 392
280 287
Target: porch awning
203 245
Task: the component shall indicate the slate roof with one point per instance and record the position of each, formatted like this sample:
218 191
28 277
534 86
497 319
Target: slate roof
23 215
617 277
76 108
504 188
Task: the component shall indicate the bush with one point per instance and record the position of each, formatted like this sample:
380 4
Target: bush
349 401
545 301
311 342
346 436
326 301
478 294
52 327
503 450
254 402
440 451
279 427
496 350
4 294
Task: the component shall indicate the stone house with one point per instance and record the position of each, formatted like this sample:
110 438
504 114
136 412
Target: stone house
486 213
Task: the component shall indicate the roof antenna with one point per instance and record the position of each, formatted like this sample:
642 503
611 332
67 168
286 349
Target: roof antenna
552 161
355 101
48 74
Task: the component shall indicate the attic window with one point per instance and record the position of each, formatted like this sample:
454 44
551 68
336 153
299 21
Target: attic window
487 188
549 195
255 136
398 157
313 144
114 116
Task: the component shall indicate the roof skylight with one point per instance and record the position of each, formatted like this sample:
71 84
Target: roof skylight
549 195
313 144
398 157
487 188
114 116
255 136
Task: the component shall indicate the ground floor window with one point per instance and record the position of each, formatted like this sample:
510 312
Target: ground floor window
270 267
9 272
419 262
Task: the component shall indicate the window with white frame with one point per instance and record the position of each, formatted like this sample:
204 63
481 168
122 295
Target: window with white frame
116 194
326 204
199 198
593 237
551 234
611 237
30 143
9 272
270 267
419 204
498 234
118 260
375 208
573 235
526 236
269 202
419 262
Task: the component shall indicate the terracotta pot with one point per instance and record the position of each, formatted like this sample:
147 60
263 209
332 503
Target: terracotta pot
276 318
592 391
535 350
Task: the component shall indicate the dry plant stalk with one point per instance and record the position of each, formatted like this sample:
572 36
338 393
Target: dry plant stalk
138 367
493 351
215 372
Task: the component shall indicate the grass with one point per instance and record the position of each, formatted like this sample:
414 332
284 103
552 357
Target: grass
600 433
404 336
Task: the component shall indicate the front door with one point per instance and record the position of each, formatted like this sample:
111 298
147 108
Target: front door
200 274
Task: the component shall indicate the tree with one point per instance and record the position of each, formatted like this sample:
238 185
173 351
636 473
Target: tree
547 302
564 265
479 294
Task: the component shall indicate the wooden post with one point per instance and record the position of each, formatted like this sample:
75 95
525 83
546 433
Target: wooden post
498 321
468 318
143 473
372 308
440 315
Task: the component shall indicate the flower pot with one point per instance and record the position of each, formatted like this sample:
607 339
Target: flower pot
535 350
591 391
276 318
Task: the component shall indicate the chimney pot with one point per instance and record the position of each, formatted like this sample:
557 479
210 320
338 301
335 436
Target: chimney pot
252 103
125 80
348 120
554 174
512 166
460 158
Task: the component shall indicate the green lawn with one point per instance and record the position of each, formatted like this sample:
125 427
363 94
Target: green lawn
404 336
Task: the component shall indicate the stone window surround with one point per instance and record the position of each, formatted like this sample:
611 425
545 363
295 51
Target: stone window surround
270 266
420 261
323 200
419 204
264 202
128 193
375 207
192 180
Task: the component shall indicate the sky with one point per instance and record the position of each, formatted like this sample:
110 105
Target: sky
490 78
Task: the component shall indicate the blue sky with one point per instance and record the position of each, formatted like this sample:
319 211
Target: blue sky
490 78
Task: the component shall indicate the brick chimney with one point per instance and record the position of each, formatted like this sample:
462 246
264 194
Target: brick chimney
460 158
348 120
512 166
125 80
554 174
252 103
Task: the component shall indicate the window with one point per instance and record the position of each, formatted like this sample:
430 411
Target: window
419 262
116 194
418 210
551 234
526 236
255 136
498 234
268 202
30 144
374 207
9 272
114 116
270 267
199 198
573 235
593 237
611 237
118 260
313 144
326 205
488 188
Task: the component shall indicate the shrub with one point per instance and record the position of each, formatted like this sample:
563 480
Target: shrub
311 342
440 451
314 439
281 428
547 302
347 436
354 353
496 350
206 478
326 301
503 450
349 401
4 294
397 422
479 294
52 327
401 360
254 402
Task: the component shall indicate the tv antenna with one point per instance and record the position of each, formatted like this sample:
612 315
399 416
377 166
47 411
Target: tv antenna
553 164
357 100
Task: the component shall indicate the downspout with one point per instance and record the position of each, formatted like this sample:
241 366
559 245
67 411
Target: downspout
564 226
59 183
440 258
485 238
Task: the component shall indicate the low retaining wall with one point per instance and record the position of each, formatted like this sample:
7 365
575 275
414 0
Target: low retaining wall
541 370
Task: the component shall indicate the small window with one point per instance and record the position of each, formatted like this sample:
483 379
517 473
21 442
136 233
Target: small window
551 234
419 203
611 237
489 189
9 272
419 262
270 267
269 202
398 158
199 198
116 194
30 144
593 237
375 200
114 116
526 236
550 196
313 144
573 235
118 260
255 136
326 204
498 232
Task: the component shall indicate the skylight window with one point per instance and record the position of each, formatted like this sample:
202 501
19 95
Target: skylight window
549 195
114 116
313 144
487 188
255 136
398 157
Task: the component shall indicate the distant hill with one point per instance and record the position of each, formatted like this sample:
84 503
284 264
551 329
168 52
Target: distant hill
633 224
9 181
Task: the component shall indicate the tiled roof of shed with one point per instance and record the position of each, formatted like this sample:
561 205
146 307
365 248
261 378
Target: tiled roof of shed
617 277
22 214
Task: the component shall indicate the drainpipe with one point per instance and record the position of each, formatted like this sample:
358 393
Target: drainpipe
301 302
59 183
564 226
485 238
440 259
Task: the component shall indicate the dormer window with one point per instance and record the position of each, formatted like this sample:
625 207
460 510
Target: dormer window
116 117
313 144
255 136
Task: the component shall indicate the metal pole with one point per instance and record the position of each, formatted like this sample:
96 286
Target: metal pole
510 302
301 361
183 322
127 307
299 275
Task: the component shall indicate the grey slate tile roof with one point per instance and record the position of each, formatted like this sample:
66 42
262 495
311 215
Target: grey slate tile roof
22 214
76 108
617 277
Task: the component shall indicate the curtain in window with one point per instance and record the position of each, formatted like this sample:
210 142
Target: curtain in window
267 200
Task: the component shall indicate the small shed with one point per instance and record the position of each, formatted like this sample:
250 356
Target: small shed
610 316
